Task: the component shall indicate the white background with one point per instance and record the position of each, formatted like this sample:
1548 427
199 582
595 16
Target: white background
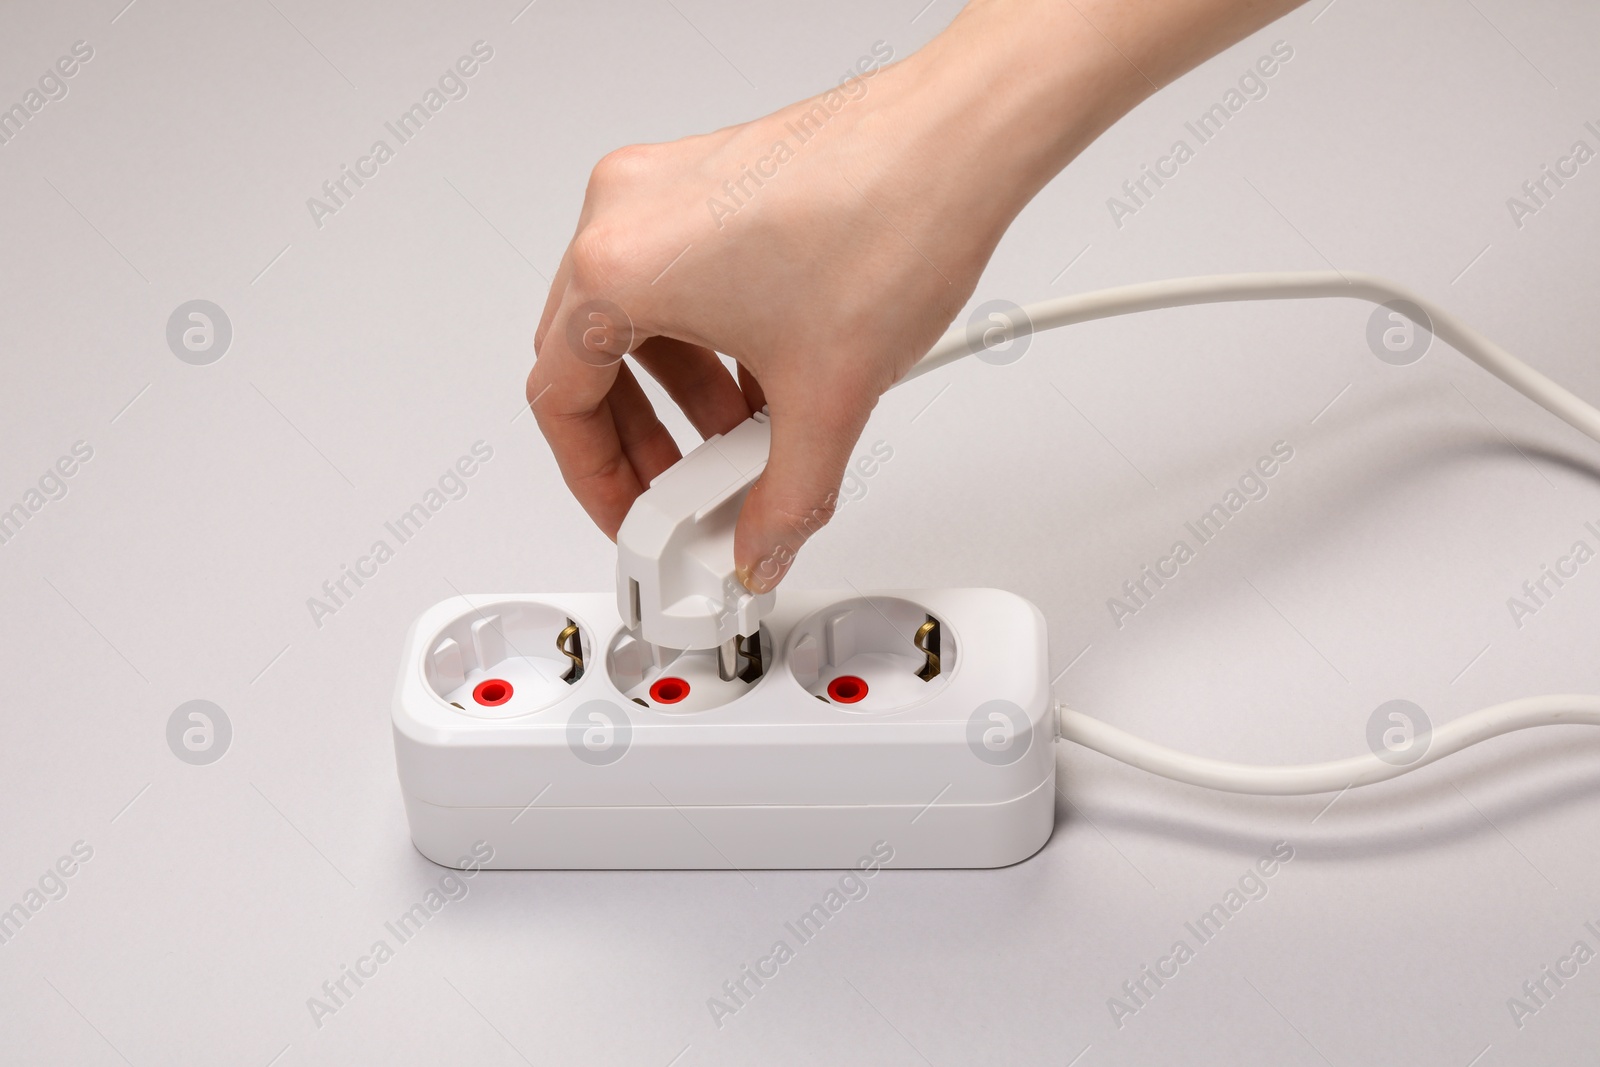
369 353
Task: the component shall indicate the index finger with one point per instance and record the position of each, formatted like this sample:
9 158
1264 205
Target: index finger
570 390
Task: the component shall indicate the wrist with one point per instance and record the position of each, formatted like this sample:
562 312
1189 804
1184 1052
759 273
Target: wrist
1008 95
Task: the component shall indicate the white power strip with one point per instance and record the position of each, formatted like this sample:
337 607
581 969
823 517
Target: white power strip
544 727
688 723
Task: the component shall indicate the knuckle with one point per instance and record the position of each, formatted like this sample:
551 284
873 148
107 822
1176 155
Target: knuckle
620 166
599 473
599 256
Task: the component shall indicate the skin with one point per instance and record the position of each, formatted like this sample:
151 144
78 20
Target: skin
830 279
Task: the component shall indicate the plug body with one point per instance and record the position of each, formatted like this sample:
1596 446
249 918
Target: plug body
675 576
542 725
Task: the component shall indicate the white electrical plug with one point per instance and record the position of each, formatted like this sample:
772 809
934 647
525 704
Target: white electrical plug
676 582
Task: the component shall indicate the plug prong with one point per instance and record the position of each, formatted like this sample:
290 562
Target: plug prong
728 659
750 652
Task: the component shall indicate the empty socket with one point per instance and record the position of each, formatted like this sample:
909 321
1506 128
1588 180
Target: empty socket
872 654
506 659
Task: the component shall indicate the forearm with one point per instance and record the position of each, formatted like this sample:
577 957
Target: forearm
1013 90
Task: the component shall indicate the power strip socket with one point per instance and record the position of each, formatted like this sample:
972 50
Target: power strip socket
920 719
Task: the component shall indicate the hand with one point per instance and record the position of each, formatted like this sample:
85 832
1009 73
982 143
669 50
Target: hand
825 279
824 247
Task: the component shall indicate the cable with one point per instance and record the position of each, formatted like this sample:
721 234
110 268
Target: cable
1221 288
1334 775
1181 292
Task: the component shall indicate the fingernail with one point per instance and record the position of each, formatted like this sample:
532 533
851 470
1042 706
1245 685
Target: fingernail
768 570
748 579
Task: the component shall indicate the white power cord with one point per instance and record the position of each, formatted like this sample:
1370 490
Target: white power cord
1224 288
1180 292
1335 774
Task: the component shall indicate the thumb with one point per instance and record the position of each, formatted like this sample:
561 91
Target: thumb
797 493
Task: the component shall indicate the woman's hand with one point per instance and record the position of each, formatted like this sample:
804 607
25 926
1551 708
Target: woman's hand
825 248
